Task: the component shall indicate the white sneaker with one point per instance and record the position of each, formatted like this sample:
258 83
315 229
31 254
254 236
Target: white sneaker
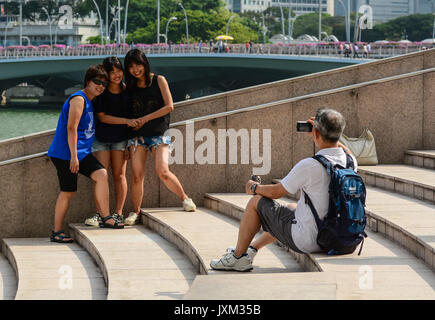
251 252
229 262
132 219
188 205
93 221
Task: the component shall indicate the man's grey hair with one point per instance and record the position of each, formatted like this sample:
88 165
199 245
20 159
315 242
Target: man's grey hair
330 124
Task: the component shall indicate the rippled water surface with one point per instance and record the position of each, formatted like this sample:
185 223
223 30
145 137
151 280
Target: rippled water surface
18 121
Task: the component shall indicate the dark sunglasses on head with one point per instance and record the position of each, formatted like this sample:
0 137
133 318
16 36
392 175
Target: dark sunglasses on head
98 82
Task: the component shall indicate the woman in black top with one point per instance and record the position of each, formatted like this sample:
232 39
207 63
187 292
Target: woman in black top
150 102
111 133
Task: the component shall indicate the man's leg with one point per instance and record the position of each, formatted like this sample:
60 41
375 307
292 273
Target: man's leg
266 238
249 226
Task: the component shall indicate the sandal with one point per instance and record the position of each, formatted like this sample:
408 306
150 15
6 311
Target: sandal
61 238
116 225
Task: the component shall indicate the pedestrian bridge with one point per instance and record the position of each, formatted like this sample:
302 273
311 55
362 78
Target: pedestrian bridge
225 71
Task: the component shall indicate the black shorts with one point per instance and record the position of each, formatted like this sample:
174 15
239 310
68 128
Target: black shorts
277 220
67 179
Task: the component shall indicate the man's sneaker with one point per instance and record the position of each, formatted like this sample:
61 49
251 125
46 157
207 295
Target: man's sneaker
229 262
118 217
188 205
252 252
93 221
132 219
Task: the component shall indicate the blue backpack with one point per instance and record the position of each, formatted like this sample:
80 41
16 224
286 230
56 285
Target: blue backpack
342 229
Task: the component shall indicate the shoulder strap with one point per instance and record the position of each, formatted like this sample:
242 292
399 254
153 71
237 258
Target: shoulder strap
325 162
313 210
349 162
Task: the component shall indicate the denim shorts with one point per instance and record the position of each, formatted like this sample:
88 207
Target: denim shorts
108 146
150 142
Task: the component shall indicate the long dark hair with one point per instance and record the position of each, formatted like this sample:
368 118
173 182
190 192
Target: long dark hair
113 62
138 57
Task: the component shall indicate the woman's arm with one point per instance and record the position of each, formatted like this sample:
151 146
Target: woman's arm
75 113
105 118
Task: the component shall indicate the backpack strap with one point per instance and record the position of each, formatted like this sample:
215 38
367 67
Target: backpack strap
349 162
325 162
313 210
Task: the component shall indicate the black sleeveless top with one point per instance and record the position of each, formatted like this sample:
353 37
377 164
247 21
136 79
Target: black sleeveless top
144 101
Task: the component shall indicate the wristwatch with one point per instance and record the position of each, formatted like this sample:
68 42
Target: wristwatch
254 187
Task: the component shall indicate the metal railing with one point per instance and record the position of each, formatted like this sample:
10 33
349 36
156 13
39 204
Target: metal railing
306 49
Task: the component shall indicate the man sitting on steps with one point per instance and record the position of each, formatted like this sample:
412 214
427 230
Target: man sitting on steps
293 225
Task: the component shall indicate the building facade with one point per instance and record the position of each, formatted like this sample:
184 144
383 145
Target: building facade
41 32
384 10
298 6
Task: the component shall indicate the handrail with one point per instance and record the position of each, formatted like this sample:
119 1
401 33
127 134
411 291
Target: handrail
307 96
20 159
262 106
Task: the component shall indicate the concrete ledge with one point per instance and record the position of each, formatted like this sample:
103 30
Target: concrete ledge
52 271
83 241
204 235
138 263
418 183
420 158
281 286
8 278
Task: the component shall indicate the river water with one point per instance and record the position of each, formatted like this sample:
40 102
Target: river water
21 120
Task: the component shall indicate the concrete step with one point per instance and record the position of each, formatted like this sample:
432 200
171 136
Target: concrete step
418 183
420 158
277 286
384 270
8 280
53 271
137 263
404 220
204 235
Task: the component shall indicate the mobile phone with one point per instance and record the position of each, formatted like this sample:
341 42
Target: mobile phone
304 126
256 178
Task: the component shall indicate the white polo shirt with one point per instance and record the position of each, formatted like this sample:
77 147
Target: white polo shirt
310 176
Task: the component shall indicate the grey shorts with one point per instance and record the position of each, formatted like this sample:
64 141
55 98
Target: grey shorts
277 220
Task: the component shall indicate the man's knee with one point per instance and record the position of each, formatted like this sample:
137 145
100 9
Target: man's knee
253 202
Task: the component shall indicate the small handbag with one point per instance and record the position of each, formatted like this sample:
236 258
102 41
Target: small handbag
363 148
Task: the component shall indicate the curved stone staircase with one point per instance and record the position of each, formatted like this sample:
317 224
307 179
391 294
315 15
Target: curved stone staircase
167 257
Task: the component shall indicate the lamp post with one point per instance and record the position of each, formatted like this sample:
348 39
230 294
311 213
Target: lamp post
187 27
119 21
320 20
167 26
125 19
282 19
101 21
228 23
158 21
433 29
49 25
6 30
346 13
356 22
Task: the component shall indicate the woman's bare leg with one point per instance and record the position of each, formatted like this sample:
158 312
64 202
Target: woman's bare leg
119 166
161 158
138 161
